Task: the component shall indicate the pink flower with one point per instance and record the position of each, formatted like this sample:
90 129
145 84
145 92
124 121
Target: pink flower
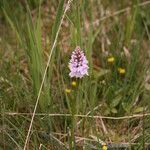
78 64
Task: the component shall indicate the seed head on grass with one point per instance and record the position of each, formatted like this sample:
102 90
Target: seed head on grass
78 64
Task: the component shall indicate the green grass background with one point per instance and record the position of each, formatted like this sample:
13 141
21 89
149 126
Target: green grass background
102 29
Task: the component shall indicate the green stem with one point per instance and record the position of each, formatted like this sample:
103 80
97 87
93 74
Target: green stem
73 147
73 123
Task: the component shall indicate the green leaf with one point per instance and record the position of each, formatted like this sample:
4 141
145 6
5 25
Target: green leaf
138 110
101 72
147 86
58 19
115 101
12 26
126 106
114 110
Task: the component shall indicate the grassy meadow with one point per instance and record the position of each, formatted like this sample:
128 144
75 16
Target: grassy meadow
42 107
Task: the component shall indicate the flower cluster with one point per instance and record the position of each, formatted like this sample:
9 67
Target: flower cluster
78 64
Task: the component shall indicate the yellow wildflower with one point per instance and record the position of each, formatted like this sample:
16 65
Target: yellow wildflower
121 70
73 83
111 59
67 90
104 147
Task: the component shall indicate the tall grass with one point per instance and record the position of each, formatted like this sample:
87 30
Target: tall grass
34 86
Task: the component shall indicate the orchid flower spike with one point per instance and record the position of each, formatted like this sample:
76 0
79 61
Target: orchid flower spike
78 64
